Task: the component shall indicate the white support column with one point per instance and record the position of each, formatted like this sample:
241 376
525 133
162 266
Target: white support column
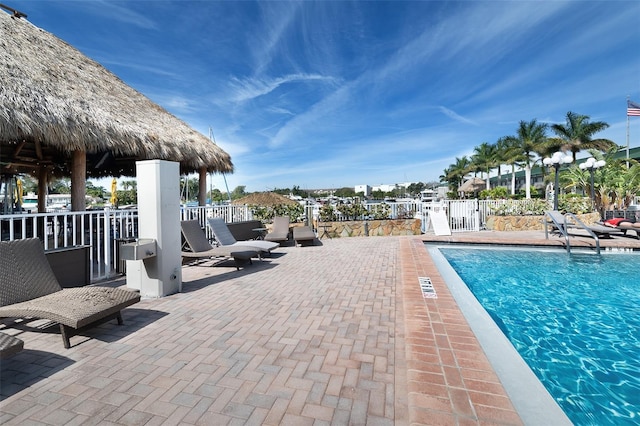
159 219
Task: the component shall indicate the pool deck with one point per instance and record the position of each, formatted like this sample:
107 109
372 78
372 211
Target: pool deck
336 333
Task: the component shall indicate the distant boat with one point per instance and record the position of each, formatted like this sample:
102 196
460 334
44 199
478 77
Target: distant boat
54 203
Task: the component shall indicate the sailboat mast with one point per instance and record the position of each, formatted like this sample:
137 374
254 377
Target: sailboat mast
213 139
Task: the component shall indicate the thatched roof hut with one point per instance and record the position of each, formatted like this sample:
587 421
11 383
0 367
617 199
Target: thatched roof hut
56 102
474 184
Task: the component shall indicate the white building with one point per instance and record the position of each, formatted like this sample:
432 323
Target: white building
365 189
385 188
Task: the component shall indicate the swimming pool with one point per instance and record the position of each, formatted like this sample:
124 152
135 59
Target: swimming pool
573 318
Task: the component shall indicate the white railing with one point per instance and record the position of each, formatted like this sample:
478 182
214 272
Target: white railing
105 230
230 213
100 230
463 215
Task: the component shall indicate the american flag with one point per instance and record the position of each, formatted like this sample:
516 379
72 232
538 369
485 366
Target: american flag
633 109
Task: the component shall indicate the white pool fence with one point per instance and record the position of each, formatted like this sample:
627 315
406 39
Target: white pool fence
105 230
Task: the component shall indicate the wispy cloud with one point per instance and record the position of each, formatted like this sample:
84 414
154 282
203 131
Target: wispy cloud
278 110
452 114
117 12
277 19
380 90
251 88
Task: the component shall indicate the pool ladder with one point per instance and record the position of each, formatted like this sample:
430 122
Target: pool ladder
561 223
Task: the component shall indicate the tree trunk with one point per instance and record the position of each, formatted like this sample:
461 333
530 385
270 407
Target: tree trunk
78 181
202 187
527 181
42 189
513 179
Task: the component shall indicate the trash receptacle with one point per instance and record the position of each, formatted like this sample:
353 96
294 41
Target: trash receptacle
121 264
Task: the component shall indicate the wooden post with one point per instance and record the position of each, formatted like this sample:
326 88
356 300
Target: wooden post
202 187
78 181
42 189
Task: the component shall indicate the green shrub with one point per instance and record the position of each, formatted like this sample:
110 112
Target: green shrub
380 211
267 213
521 208
327 213
574 203
496 193
352 211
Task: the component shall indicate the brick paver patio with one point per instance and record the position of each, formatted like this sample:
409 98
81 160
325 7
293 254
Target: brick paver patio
337 333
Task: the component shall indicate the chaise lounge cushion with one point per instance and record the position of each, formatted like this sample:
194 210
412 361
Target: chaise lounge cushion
201 248
29 289
74 307
224 237
303 234
280 232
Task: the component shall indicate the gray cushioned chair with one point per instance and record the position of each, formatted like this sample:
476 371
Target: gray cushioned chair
202 249
224 237
29 289
280 231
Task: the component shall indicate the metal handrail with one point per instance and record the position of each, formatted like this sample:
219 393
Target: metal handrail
562 227
585 227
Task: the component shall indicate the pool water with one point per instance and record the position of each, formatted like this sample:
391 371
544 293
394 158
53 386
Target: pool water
574 318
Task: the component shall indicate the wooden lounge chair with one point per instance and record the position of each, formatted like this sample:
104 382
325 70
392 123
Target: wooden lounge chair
303 234
201 249
29 289
225 239
280 231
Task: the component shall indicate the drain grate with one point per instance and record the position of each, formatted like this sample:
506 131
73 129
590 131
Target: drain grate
428 292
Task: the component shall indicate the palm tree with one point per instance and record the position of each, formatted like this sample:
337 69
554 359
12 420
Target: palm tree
455 172
576 133
529 141
484 159
512 156
501 156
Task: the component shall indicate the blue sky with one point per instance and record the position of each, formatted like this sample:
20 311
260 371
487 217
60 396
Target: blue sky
337 93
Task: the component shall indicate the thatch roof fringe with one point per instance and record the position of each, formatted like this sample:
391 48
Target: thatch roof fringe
53 93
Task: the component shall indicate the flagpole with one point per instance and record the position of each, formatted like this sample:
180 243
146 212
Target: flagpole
627 131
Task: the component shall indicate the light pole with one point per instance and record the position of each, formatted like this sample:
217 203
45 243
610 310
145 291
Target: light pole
591 164
556 160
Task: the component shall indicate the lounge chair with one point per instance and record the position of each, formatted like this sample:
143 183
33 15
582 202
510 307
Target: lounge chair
29 289
280 231
201 248
224 237
570 221
9 345
623 225
303 234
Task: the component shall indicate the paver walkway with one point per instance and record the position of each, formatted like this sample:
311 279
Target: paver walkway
337 333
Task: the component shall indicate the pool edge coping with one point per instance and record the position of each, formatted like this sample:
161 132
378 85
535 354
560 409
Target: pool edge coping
532 401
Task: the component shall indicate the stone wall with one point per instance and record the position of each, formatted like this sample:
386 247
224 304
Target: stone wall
356 228
529 223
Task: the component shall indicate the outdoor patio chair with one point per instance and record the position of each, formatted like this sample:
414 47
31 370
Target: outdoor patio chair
565 222
623 225
280 231
202 249
29 289
225 239
303 234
